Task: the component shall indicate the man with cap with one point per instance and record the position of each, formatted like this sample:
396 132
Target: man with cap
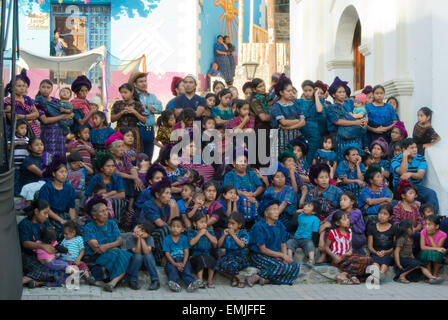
190 99
152 106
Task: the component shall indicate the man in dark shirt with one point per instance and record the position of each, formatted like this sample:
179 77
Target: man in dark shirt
190 99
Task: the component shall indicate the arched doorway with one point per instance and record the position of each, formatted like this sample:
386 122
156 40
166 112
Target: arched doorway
359 60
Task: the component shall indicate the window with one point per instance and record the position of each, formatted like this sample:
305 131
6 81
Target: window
91 31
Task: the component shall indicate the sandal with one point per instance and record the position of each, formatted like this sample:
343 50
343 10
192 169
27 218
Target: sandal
210 285
235 283
355 280
403 280
250 280
345 281
436 281
108 287
241 284
262 281
201 284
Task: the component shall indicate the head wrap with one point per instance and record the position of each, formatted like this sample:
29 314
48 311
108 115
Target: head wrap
22 76
135 76
372 171
192 76
315 170
382 143
98 198
95 100
301 142
57 161
403 185
400 125
288 153
79 82
339 83
367 90
115 137
352 146
361 98
164 183
268 200
155 167
321 85
175 84
282 81
101 159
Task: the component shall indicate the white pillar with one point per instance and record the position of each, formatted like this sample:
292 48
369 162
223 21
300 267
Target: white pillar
251 23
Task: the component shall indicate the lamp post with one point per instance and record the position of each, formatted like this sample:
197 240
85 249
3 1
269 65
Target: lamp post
251 69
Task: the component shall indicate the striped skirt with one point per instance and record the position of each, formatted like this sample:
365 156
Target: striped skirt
285 136
158 235
109 265
342 143
232 264
35 270
53 139
120 207
354 265
276 271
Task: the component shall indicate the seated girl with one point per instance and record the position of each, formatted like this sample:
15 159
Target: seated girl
170 163
287 165
268 251
186 202
249 188
286 196
397 134
242 122
326 153
155 174
432 240
339 247
374 195
229 199
53 261
216 217
82 145
378 149
129 142
408 208
351 171
234 240
380 239
300 149
100 132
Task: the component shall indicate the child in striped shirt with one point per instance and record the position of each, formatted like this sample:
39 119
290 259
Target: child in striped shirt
20 143
339 247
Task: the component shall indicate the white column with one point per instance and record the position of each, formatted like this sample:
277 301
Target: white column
251 23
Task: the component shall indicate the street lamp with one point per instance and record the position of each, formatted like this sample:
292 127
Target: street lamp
251 69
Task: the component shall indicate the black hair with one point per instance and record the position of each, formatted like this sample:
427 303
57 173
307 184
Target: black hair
165 117
71 226
205 119
196 178
81 129
209 95
220 126
188 113
220 36
150 175
227 188
178 219
279 171
370 174
317 207
388 207
97 187
48 235
239 103
403 228
210 184
406 189
47 81
256 82
35 204
427 112
19 122
102 116
147 226
190 186
378 87
337 216
32 140
308 83
434 219
238 217
248 85
131 88
74 156
221 94
198 193
127 130
425 207
283 85
406 143
325 138
396 101
198 216
142 157
215 84
366 156
352 197
349 150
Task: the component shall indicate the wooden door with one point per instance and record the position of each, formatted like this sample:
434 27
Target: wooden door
359 68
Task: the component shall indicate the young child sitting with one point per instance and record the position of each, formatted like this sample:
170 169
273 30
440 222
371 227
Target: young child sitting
166 123
65 95
307 233
229 199
128 145
175 246
20 151
82 145
359 111
326 153
424 134
397 134
185 126
186 202
100 132
426 210
408 207
432 240
74 243
380 239
351 171
234 240
339 247
242 122
77 176
141 244
48 236
143 164
405 262
196 206
201 240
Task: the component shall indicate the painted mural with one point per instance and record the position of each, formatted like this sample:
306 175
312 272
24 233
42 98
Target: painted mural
229 18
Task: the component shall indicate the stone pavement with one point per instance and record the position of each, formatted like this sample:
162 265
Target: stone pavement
387 291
